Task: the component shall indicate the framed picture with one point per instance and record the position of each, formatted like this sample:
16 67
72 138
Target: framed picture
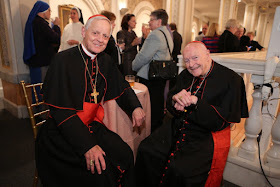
64 15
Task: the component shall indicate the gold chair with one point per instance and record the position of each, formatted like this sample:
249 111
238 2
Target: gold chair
34 115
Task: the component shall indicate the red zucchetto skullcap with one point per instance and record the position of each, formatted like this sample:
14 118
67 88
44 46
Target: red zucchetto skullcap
98 15
197 42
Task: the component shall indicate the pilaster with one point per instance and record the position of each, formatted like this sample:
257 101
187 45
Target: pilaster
187 20
12 68
261 28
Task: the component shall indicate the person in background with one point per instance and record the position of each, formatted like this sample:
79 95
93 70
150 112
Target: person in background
72 33
154 48
204 31
113 48
177 43
240 32
254 44
145 32
74 147
228 42
131 41
40 41
212 38
177 40
191 148
245 43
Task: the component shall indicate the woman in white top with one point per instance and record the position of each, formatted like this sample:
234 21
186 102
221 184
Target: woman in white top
72 33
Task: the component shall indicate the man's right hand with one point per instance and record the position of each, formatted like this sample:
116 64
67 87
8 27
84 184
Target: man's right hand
183 99
95 158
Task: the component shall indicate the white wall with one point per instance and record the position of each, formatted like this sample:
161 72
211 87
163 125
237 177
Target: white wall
25 8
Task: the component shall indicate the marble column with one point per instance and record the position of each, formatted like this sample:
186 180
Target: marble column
261 28
12 68
168 8
116 10
181 20
254 15
227 11
186 20
174 13
250 17
222 17
233 9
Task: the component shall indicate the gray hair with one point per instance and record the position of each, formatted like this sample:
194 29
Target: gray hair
232 23
98 17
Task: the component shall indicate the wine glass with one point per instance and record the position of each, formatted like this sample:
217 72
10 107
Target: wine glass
120 42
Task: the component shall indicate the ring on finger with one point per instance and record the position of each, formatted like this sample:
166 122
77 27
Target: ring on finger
91 162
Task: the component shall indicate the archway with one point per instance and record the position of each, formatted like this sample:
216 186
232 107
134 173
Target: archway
142 13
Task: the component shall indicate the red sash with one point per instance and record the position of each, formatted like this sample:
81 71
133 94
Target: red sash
91 112
221 148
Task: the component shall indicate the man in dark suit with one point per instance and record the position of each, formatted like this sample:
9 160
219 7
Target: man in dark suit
177 40
228 42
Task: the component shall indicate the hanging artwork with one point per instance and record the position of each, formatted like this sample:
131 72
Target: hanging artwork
64 15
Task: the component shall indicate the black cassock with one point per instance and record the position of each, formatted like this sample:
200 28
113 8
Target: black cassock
64 139
191 148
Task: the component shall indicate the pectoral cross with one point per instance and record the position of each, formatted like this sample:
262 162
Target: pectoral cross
94 94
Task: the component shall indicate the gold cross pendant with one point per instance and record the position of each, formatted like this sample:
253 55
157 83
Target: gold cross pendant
94 94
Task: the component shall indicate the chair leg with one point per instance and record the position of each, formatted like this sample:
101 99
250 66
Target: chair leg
35 180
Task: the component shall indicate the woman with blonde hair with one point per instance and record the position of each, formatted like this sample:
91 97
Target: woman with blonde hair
212 38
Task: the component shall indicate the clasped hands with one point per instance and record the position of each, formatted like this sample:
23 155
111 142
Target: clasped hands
184 99
95 156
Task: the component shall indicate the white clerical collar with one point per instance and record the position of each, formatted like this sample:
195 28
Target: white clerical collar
92 56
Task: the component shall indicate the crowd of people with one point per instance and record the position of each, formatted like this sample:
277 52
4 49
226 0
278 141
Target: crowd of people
233 39
188 145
